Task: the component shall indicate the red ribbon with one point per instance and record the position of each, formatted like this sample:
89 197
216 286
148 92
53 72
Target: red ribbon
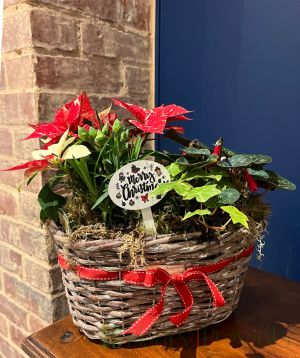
153 277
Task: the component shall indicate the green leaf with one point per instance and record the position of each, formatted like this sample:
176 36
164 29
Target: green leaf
182 161
31 178
236 215
200 173
162 189
228 196
92 132
100 199
211 159
228 152
279 181
196 212
258 173
219 171
239 160
244 160
195 152
160 155
174 169
50 203
203 193
81 169
137 148
83 134
260 159
182 188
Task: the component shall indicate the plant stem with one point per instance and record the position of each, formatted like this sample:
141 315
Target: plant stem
216 228
227 222
214 211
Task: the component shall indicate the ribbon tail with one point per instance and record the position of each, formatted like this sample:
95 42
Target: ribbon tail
217 295
146 321
187 299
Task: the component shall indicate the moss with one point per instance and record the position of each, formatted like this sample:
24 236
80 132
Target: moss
255 208
82 223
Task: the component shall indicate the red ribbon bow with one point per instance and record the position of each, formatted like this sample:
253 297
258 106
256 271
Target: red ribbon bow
153 277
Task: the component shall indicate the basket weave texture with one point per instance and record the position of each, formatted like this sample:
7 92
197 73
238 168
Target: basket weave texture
104 309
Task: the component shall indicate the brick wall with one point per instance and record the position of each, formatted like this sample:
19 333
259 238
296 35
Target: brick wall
53 49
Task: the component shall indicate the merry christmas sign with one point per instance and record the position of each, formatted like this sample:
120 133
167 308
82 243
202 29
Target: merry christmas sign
130 187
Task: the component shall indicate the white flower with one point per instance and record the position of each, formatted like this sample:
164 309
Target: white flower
61 151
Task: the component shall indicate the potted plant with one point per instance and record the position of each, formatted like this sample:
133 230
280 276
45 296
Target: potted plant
126 278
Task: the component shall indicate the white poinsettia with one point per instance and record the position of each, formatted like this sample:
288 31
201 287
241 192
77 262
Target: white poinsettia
62 150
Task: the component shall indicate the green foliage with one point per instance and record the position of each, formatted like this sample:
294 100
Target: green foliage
50 203
258 173
195 152
236 215
82 133
228 196
197 212
216 185
203 193
175 168
180 187
197 173
278 181
245 160
163 189
207 183
111 147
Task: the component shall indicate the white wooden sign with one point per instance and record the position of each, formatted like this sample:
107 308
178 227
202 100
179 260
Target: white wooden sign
130 186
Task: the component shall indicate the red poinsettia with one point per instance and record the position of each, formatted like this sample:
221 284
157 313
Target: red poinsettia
56 153
154 120
73 114
33 166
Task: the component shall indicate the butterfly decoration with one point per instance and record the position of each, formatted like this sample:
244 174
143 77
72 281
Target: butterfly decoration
131 203
123 203
118 186
145 198
135 169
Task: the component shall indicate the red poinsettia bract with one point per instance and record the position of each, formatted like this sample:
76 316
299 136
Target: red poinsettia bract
70 116
154 120
33 166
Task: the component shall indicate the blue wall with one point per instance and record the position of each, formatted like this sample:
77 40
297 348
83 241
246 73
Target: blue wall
237 63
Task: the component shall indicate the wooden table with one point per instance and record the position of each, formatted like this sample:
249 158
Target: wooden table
265 324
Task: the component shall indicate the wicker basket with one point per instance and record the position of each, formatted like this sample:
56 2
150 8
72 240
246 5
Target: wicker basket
104 309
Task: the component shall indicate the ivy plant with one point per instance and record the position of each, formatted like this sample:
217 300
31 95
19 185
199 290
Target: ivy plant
218 182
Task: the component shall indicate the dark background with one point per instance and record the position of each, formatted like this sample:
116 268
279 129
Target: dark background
237 64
